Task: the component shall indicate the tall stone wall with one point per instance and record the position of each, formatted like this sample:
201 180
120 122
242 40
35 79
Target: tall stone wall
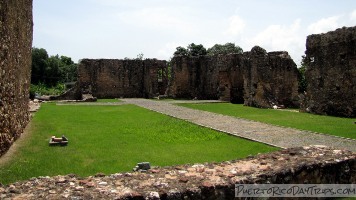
207 77
112 78
15 66
270 79
331 73
194 77
255 78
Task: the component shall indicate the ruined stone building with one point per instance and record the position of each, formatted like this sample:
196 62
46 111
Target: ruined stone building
331 73
255 78
15 66
113 78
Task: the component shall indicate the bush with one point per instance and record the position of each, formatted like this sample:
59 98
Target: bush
42 89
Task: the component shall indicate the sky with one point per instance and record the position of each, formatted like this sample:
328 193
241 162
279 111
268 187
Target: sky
126 28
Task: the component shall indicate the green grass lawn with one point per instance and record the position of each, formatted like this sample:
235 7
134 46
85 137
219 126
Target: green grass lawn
343 127
108 100
112 139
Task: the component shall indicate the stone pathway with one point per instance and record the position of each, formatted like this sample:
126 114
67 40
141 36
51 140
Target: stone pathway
269 134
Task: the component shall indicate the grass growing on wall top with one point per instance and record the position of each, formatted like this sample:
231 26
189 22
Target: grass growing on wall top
112 139
343 127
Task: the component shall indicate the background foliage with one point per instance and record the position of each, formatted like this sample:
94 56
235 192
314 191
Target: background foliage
199 50
49 73
51 70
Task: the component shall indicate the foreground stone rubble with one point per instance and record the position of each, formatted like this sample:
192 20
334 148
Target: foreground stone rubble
312 164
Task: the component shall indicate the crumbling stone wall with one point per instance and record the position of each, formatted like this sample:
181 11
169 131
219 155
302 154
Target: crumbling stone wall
207 77
194 77
113 78
331 73
15 66
270 79
304 165
255 78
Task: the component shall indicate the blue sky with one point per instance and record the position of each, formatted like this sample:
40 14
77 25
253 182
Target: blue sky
126 28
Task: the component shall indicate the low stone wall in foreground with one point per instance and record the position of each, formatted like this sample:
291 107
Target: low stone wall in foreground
314 164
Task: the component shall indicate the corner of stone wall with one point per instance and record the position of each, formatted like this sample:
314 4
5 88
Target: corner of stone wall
331 61
15 69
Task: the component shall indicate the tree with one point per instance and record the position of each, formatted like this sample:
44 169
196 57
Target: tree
69 70
196 50
224 49
39 64
51 70
191 50
181 51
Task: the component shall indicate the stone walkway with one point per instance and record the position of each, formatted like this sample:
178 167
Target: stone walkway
269 134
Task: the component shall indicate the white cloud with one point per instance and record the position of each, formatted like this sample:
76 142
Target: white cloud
167 50
236 26
353 16
279 37
158 18
324 25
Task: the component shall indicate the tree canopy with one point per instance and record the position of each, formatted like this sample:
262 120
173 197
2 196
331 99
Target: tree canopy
224 49
199 50
51 70
191 50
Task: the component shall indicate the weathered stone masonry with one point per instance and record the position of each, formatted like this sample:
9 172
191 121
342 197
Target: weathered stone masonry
15 66
270 79
255 78
331 73
113 78
304 165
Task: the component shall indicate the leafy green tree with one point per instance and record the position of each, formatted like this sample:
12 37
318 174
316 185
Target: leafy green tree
39 65
191 50
181 51
224 49
69 69
196 50
51 70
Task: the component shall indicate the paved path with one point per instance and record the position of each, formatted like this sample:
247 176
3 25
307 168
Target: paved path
261 132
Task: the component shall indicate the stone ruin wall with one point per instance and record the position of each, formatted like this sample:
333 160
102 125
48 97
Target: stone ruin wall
270 79
255 78
304 165
331 73
15 66
113 78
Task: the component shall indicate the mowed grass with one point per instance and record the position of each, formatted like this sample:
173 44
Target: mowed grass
111 139
108 100
343 127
